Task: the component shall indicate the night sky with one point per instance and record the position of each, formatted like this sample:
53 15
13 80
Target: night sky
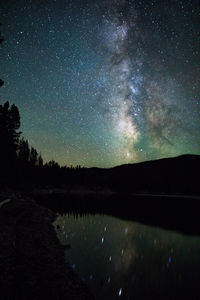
102 83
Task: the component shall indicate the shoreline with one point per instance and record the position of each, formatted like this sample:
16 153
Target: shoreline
32 260
172 212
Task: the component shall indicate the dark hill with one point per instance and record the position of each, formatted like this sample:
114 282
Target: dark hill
169 175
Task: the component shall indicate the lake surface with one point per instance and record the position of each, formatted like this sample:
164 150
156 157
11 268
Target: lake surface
121 259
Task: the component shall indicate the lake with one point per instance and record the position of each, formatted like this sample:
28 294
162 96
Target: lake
120 259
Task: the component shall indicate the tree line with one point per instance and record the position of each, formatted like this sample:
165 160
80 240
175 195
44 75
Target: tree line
20 162
13 149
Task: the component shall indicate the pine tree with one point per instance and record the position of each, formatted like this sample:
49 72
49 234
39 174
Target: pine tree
33 157
9 134
23 152
1 40
40 161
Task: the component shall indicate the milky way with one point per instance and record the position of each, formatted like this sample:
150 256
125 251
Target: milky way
102 83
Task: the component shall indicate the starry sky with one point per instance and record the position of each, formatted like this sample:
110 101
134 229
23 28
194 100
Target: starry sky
102 83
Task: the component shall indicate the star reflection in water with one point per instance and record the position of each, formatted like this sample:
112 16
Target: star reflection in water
123 259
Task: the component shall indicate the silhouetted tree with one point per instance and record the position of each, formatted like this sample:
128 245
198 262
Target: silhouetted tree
28 155
40 161
1 40
23 152
33 157
53 164
9 135
16 156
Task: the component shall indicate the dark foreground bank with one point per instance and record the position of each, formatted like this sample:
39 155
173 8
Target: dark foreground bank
32 260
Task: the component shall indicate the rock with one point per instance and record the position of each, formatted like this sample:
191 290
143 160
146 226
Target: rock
3 202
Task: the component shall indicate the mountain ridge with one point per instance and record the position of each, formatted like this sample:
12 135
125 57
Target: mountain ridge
174 174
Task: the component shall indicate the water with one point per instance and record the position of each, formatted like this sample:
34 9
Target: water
126 260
